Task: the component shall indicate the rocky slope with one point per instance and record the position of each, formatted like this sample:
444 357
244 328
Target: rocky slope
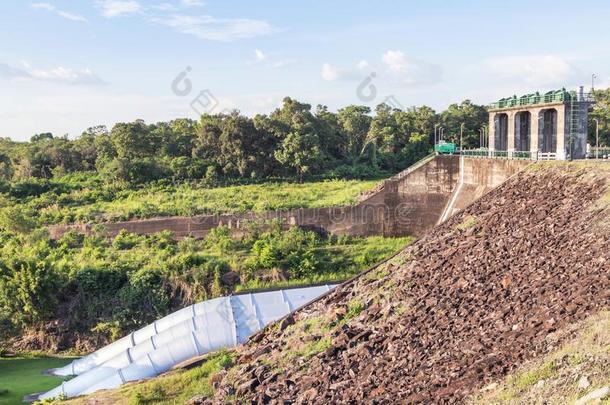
468 303
578 373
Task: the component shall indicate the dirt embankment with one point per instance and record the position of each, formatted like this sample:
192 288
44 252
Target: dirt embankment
466 304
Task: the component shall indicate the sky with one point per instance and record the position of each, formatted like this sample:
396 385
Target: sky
69 65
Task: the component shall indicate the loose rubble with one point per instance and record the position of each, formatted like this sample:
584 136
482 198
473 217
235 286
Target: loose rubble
452 313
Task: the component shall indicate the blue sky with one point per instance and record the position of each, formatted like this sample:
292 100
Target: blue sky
68 65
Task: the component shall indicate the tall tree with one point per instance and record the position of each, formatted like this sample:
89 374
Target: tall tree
134 140
601 112
355 122
472 115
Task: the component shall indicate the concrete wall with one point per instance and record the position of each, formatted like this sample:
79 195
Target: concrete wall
479 176
562 130
407 204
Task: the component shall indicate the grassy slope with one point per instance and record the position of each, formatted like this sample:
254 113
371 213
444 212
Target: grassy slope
555 378
23 376
175 387
89 204
364 252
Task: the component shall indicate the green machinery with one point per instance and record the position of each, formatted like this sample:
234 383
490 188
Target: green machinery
445 148
554 96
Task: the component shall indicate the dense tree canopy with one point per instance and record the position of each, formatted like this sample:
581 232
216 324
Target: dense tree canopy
601 112
293 141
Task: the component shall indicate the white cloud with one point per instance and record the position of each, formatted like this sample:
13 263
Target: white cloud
409 70
61 13
217 29
259 55
42 6
192 3
280 64
164 7
331 73
396 68
364 65
60 74
116 8
70 16
262 58
533 70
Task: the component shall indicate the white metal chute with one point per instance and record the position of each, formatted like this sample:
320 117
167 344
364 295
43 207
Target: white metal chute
192 331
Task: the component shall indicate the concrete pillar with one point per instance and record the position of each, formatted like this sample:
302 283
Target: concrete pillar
561 132
492 131
510 136
534 128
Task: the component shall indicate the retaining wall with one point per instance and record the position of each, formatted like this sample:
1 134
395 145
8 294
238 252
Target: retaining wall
406 204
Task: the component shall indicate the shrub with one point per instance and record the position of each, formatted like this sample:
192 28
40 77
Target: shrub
125 240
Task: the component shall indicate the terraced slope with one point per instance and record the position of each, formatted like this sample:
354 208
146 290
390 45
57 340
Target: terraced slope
468 303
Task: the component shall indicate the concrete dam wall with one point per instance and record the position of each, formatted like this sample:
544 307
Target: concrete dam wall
408 203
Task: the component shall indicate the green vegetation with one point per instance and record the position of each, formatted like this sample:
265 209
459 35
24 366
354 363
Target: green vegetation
468 223
115 285
601 112
185 167
528 378
174 388
85 198
23 376
293 142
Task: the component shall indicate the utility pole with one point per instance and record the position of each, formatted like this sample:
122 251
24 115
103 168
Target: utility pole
596 138
461 135
435 126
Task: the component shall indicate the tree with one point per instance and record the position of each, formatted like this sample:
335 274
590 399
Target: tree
601 112
300 150
355 122
384 131
135 140
6 167
473 116
45 136
332 138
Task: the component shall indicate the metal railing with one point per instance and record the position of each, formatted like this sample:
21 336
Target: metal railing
603 152
500 154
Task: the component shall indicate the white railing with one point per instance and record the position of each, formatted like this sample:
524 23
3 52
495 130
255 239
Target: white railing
547 156
603 152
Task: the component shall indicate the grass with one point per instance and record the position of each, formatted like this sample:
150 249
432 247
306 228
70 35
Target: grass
554 378
94 205
468 223
173 388
360 252
22 376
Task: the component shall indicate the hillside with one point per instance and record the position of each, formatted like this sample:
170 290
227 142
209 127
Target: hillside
465 305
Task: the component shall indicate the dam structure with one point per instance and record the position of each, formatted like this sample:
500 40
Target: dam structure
549 126
411 202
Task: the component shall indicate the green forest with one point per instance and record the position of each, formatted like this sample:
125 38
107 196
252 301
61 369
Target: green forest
80 292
